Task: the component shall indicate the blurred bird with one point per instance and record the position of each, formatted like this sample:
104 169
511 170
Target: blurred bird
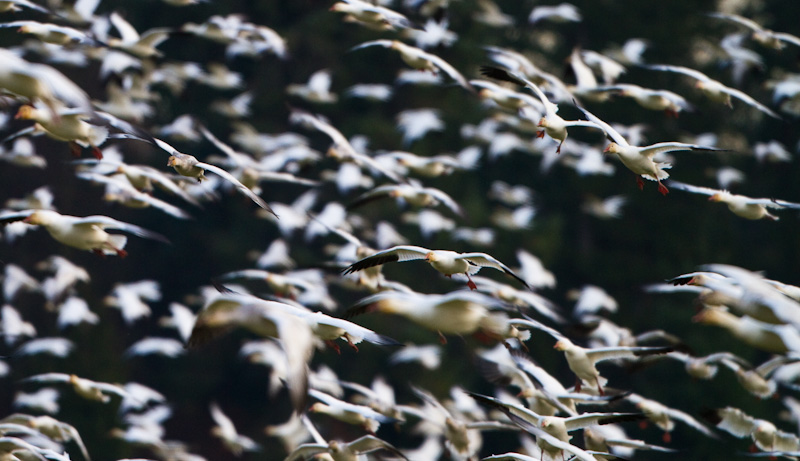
340 451
371 15
662 416
764 36
419 59
86 388
226 431
317 90
740 205
715 90
86 233
765 435
563 12
12 327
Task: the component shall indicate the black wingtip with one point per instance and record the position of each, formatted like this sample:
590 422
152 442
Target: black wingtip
499 74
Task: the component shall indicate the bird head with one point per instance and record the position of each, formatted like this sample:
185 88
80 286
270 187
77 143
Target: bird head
612 148
430 257
172 160
26 112
561 345
716 197
338 7
318 407
485 93
542 122
38 218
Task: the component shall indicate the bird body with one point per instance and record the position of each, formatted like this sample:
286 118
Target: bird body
715 90
420 59
740 205
87 233
67 125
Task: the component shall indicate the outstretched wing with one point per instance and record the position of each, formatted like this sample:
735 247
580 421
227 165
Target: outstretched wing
241 187
395 254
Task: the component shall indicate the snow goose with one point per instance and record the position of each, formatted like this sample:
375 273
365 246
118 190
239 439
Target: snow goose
740 205
13 326
779 339
131 299
266 318
458 312
461 432
143 177
765 435
67 125
754 295
317 90
445 261
341 149
551 123
350 413
187 165
563 12
544 392
662 416
764 36
40 82
555 426
706 367
760 381
15 279
50 427
120 190
142 46
374 16
419 59
662 100
427 166
412 193
85 233
715 90
523 299
505 97
14 5
226 431
86 388
640 159
582 360
341 451
612 438
52 33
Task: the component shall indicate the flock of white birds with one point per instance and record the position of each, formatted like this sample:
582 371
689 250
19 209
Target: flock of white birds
343 353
